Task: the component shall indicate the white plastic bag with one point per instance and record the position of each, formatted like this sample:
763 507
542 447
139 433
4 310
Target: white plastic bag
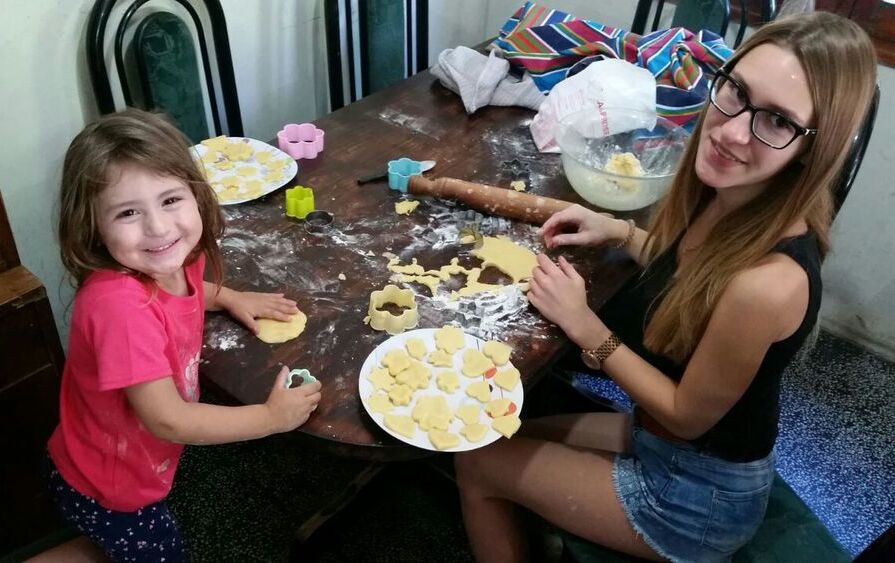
602 85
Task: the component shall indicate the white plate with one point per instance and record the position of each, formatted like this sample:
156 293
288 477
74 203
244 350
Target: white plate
216 177
454 400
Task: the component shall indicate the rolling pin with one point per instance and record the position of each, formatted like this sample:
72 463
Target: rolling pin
490 199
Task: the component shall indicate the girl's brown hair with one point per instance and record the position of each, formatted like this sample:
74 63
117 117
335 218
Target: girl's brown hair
130 137
840 65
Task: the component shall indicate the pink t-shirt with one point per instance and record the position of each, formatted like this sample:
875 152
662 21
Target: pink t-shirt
122 335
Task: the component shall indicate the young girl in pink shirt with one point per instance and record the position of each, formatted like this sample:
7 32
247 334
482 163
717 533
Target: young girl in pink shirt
138 230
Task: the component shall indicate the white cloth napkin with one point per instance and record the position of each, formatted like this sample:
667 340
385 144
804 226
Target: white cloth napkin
483 80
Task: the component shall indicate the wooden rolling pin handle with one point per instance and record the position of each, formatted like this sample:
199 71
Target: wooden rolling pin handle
490 199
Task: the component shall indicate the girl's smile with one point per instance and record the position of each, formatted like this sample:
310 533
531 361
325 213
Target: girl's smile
149 223
729 157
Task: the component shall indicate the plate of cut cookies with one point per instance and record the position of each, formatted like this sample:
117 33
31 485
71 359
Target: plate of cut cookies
240 169
442 389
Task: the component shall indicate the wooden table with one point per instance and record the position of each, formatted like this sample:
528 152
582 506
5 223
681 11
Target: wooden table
264 250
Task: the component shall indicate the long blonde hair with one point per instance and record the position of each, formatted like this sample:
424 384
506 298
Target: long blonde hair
133 137
840 65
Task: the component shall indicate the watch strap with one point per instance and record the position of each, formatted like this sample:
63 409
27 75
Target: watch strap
599 354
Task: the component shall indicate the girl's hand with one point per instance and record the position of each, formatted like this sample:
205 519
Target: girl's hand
558 292
290 408
576 225
246 306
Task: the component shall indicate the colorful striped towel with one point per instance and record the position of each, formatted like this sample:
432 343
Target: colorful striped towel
552 45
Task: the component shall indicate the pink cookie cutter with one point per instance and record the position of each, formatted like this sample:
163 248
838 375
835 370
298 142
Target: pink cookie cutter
300 140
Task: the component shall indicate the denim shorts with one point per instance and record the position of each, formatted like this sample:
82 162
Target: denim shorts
688 505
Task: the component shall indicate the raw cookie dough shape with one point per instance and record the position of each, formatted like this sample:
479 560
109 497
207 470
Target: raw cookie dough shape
416 348
274 332
507 378
440 358
383 320
497 351
506 425
396 361
401 424
447 381
406 207
478 390
474 432
400 394
449 338
469 413
381 379
377 402
475 363
443 440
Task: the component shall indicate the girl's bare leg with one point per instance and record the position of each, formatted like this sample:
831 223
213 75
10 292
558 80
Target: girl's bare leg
607 431
570 487
78 550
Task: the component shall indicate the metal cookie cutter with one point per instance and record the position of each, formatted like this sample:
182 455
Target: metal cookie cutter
302 374
299 202
300 140
317 222
400 171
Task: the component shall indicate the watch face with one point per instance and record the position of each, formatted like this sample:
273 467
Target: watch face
590 361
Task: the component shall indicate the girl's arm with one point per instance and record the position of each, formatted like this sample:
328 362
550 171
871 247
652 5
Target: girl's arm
577 225
246 306
167 416
759 307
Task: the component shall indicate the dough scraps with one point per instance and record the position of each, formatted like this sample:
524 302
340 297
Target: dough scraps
497 351
449 338
510 258
406 207
518 185
274 332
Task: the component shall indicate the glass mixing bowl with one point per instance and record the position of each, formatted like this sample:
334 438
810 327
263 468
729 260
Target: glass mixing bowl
620 159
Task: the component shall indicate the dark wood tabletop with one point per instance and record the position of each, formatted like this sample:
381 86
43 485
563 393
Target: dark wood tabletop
266 251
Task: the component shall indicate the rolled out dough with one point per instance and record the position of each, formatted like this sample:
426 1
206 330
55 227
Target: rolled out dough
274 332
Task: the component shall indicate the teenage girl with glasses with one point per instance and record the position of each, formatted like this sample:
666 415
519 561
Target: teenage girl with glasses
729 292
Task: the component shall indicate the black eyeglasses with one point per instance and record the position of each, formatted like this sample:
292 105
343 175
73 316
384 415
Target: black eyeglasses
768 126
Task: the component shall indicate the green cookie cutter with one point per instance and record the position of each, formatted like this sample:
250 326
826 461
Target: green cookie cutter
303 374
299 202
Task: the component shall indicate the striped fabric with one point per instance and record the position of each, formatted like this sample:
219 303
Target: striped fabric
552 45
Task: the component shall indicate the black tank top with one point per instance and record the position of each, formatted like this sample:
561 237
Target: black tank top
748 431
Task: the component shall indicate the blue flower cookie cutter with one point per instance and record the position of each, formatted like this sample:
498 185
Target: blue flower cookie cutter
302 374
400 171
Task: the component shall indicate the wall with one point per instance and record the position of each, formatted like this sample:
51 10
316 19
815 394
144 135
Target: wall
46 99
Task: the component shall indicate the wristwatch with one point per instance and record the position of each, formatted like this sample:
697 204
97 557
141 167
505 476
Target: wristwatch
594 357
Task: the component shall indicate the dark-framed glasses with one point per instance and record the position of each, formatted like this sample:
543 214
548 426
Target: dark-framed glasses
768 126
